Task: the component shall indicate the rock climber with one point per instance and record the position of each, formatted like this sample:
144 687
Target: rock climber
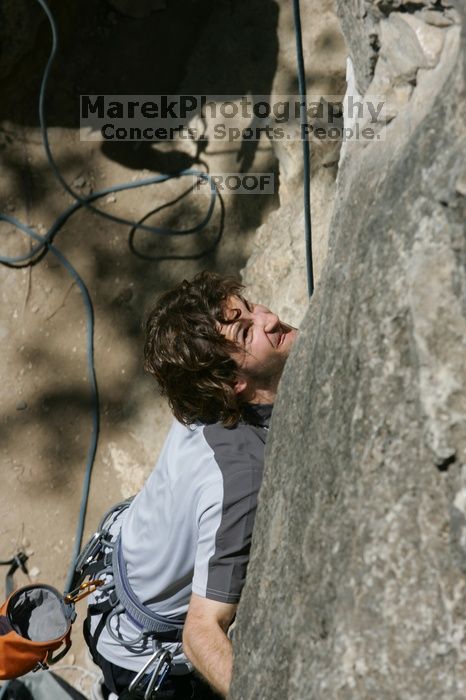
218 359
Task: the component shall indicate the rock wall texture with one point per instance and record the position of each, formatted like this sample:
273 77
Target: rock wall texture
356 586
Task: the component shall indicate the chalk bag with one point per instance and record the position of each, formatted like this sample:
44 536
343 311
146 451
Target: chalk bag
35 621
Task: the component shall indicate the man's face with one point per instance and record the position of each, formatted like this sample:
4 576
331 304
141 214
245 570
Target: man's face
264 343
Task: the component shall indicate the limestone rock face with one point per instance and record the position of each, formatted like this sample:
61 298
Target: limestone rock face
362 22
356 587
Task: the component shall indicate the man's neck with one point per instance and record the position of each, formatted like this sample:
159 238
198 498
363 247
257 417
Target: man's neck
262 396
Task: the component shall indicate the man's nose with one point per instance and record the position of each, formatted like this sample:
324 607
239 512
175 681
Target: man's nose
266 318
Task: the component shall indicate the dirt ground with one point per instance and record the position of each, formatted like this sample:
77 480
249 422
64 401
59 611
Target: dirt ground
195 47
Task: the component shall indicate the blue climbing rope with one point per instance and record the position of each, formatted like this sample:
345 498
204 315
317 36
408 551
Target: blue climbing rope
306 149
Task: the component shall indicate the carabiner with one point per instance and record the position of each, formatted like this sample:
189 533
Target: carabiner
161 669
162 666
91 549
83 590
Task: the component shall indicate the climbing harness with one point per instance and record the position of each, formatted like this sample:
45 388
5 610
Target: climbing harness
103 557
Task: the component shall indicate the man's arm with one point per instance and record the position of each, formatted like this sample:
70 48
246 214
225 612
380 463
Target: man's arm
205 641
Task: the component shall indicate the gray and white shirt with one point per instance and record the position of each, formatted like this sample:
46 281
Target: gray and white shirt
189 530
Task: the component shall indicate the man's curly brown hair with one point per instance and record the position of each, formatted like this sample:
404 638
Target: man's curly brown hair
189 357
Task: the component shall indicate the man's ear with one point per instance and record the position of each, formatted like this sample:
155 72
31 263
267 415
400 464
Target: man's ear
240 384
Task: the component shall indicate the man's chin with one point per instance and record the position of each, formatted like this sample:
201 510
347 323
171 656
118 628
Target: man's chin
289 338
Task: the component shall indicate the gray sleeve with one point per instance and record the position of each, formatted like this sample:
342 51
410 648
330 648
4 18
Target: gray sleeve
226 523
228 563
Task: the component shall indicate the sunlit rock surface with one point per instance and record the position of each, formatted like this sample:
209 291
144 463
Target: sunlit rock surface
356 586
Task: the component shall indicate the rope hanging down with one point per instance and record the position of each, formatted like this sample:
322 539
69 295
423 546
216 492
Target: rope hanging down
306 150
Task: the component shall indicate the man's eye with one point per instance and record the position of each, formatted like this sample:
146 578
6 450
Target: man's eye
245 334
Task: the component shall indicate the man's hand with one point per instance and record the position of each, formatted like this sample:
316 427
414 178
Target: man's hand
205 641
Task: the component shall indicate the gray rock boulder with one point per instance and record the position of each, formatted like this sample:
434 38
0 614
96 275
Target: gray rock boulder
356 585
